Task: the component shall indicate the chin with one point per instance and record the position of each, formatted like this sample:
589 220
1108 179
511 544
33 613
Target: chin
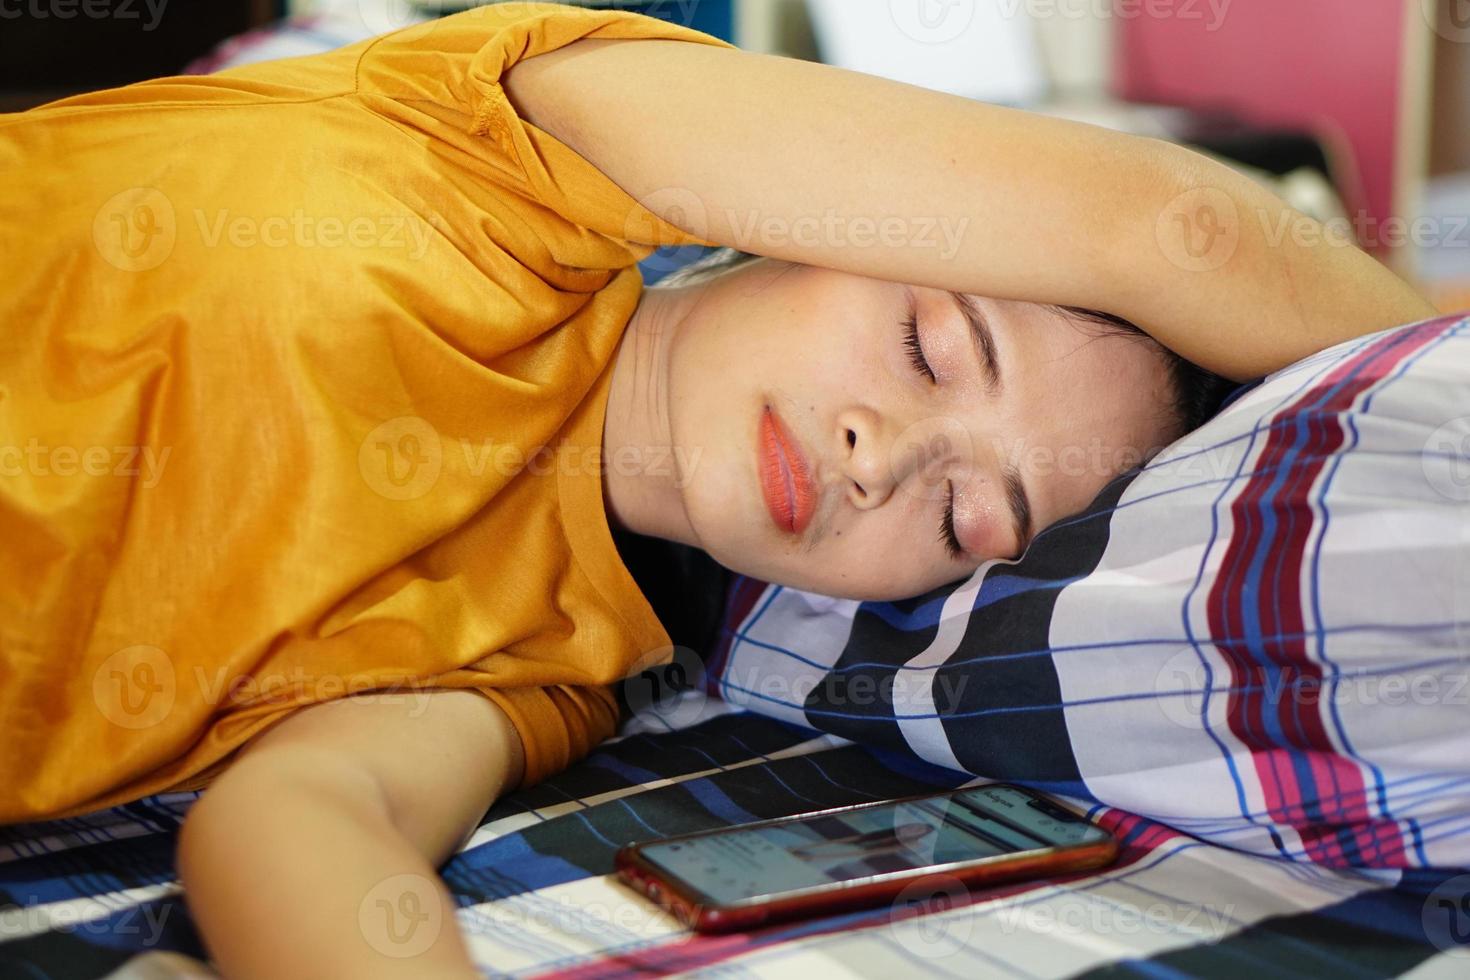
870 592
747 559
835 590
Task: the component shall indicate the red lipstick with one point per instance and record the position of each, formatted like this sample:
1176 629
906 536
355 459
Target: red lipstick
786 481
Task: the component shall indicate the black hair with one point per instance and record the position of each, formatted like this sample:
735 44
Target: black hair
1197 393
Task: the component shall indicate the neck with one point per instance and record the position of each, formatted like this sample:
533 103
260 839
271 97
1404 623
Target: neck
640 481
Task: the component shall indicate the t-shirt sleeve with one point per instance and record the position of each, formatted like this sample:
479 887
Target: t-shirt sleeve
443 78
558 724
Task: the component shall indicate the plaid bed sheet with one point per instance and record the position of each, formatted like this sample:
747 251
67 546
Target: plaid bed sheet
97 896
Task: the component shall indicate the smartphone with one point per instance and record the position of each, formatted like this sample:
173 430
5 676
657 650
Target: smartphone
862 856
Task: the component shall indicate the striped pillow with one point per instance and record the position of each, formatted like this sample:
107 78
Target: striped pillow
1262 637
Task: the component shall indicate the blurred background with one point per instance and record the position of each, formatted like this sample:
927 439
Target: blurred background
1356 111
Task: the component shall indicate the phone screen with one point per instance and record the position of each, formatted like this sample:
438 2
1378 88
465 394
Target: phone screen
754 863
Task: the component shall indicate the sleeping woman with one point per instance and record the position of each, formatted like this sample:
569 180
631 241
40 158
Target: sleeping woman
328 381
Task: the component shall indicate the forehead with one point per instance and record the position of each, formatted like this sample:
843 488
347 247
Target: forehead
1082 403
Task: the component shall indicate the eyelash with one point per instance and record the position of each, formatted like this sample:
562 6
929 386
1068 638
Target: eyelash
915 350
947 532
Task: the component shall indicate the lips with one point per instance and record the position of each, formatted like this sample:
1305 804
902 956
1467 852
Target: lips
786 480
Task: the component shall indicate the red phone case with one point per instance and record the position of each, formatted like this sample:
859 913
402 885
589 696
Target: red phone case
699 913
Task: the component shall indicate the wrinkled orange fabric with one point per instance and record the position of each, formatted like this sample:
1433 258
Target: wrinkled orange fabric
281 346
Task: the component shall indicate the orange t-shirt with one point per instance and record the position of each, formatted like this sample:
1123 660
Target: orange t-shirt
302 389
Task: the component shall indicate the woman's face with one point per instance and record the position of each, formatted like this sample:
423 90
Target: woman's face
1012 440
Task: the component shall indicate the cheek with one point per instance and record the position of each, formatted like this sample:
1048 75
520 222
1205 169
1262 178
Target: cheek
711 443
868 562
865 583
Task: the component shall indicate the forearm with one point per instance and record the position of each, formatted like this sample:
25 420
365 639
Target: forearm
818 165
815 164
299 871
1230 277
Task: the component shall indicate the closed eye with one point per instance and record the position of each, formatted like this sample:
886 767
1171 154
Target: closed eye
914 348
947 532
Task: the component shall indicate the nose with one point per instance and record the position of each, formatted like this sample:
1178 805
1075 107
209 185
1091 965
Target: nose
873 465
878 457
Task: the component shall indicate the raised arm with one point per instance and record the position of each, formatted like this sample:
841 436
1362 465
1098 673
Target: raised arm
324 835
793 160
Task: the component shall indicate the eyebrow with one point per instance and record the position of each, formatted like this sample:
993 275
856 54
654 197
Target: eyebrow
1019 503
984 340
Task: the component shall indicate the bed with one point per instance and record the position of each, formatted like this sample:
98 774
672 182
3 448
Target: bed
96 896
